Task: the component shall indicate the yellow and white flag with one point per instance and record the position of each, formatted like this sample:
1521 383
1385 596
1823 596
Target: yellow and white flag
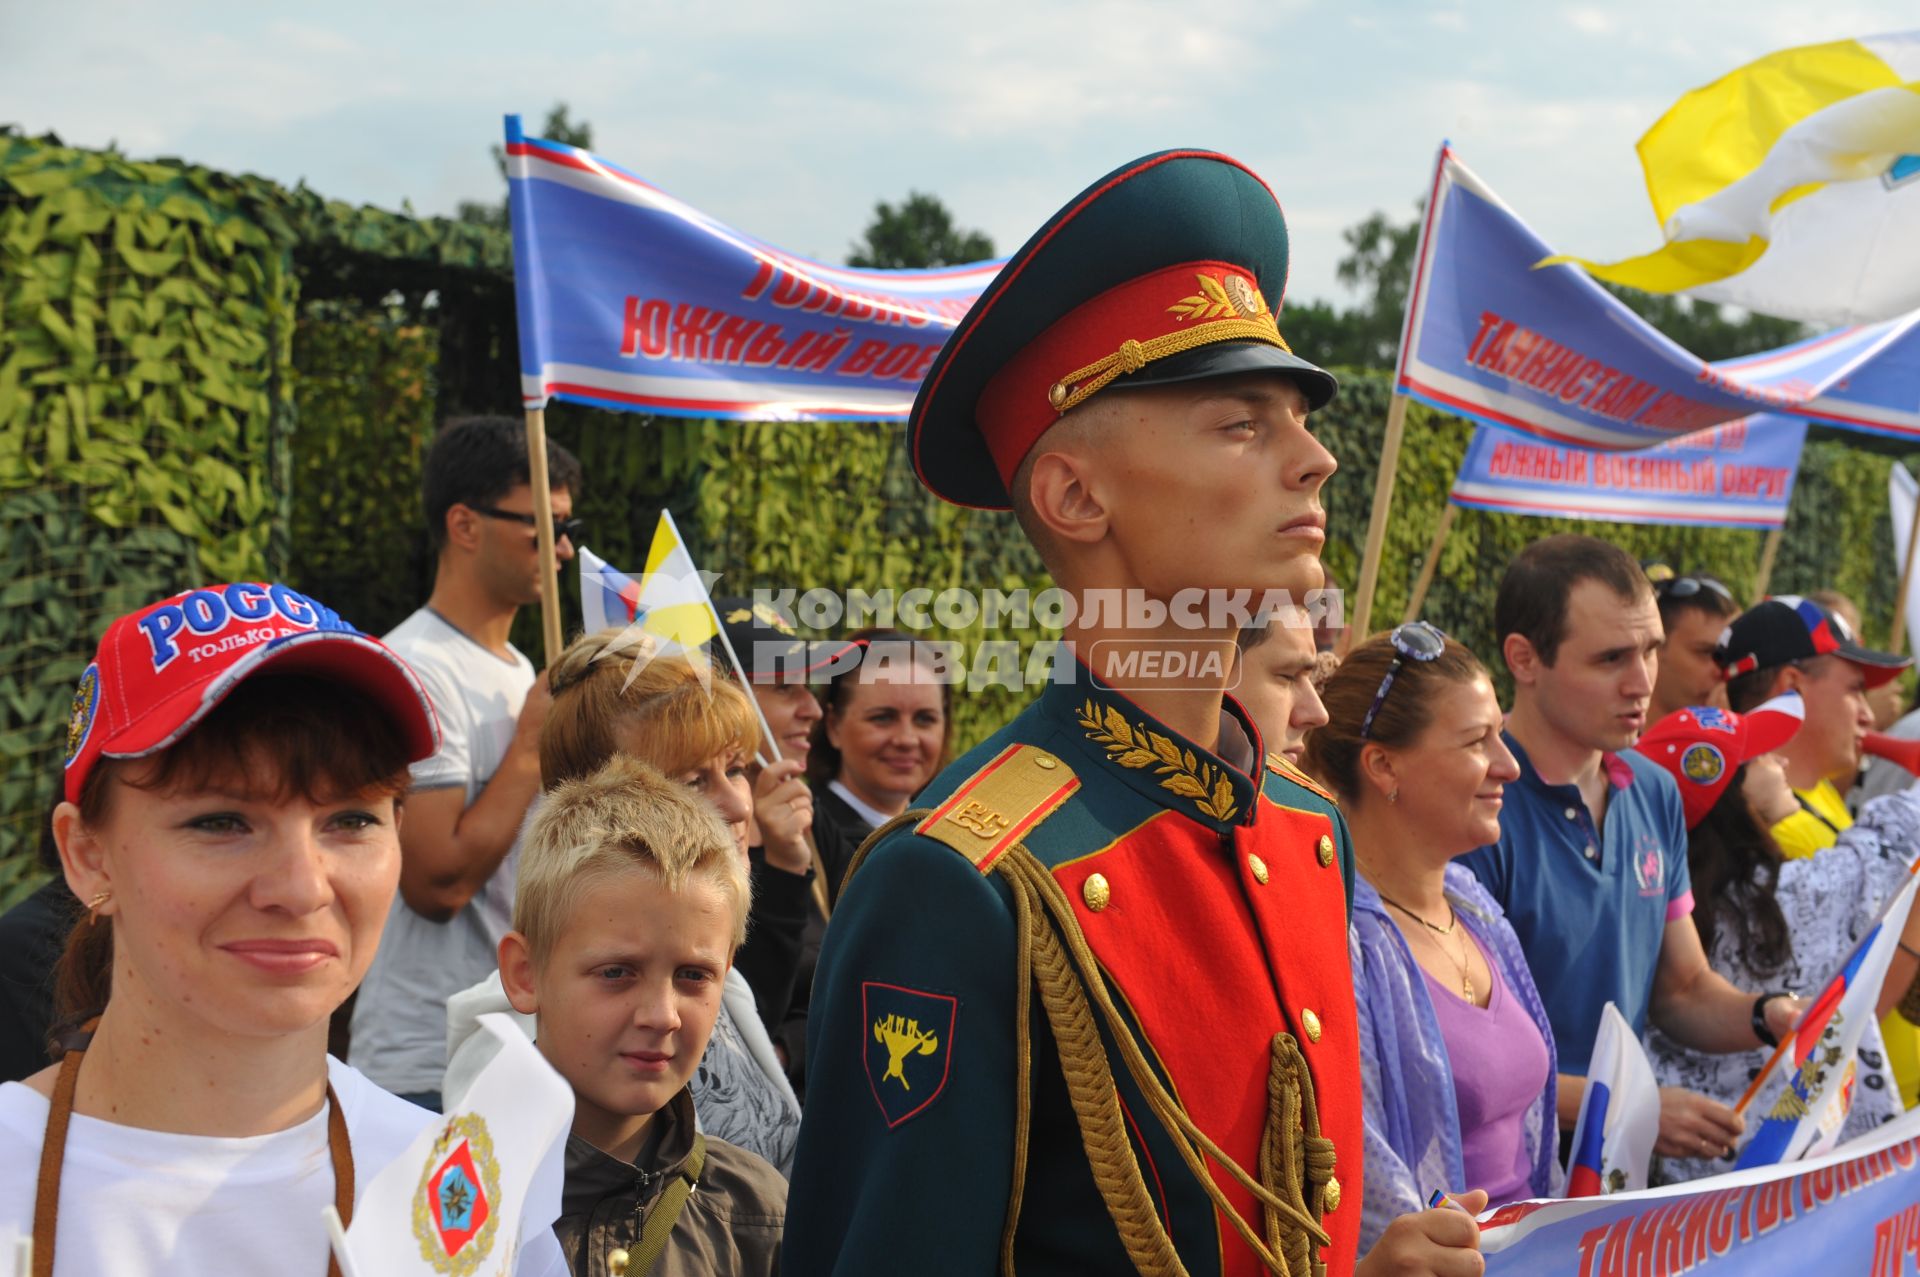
675 602
1791 186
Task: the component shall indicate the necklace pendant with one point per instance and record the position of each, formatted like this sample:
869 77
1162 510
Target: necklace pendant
1466 984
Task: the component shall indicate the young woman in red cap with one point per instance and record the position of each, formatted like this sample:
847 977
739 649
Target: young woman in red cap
1767 921
234 762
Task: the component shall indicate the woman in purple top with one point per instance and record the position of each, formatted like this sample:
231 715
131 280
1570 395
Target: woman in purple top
1455 1051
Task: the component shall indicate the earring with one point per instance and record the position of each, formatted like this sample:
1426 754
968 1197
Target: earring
1393 795
93 906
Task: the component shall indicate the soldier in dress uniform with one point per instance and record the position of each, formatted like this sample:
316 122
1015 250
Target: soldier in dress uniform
1088 1009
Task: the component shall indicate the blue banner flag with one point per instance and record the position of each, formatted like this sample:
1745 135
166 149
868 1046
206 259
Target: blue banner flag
1739 475
1853 1210
631 299
1494 335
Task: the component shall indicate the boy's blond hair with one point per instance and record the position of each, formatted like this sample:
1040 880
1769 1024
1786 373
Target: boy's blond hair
625 816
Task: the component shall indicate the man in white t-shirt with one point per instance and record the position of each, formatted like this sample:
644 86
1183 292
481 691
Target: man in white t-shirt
464 810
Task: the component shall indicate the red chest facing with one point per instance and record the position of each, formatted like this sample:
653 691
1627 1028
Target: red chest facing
1217 944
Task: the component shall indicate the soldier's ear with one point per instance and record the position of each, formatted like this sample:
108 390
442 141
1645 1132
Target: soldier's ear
1064 498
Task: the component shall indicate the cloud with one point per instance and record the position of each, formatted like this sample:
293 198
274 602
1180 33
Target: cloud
791 120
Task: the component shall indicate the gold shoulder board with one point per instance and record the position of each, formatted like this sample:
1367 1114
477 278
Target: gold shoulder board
999 803
1280 764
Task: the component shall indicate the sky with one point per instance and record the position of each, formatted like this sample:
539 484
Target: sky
790 118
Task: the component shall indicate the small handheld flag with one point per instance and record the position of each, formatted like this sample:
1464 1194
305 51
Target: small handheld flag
608 596
475 1185
1809 1113
1619 1117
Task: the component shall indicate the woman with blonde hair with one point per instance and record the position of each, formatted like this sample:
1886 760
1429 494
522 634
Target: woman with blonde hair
614 695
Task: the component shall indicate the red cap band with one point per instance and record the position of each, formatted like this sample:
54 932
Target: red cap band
1122 330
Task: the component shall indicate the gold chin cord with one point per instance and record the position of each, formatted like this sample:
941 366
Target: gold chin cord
1296 1161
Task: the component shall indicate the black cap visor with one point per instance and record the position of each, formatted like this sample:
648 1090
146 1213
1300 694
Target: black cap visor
1878 667
1228 358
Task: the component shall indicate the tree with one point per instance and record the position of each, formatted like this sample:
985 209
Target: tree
560 127
1379 265
918 234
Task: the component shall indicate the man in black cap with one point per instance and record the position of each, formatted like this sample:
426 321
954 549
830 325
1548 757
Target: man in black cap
1089 1008
1792 644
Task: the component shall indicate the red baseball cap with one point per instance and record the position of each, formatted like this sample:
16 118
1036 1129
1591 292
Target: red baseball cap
1702 747
160 670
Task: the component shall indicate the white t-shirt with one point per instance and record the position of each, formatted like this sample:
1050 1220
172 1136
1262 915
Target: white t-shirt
135 1202
399 1021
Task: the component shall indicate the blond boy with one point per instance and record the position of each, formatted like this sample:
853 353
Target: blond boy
631 902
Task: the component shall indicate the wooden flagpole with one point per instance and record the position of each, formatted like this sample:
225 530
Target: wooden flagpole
543 530
1440 533
1377 525
1768 552
1906 581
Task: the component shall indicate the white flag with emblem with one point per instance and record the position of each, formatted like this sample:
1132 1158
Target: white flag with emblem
475 1188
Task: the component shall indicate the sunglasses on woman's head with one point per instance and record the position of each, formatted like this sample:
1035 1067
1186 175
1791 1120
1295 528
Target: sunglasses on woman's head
1685 587
1415 641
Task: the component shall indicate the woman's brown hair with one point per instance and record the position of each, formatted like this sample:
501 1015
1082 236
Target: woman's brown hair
823 760
1333 751
306 737
612 695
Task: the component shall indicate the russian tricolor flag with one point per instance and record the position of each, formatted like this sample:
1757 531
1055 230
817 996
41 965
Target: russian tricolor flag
1808 1115
1619 1116
671 599
608 596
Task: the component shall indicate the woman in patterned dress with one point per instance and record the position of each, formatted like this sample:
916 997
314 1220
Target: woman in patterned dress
1768 922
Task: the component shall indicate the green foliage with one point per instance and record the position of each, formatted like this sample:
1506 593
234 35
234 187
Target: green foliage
919 233
147 385
363 387
837 506
145 316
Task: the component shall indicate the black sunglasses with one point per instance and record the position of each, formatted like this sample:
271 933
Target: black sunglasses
569 528
1415 641
1685 587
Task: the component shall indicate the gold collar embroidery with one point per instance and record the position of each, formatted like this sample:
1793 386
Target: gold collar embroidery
1137 746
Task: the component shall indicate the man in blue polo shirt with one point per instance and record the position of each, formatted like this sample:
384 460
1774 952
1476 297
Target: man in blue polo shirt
1591 865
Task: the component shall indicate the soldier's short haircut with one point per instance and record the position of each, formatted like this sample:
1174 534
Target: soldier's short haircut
475 461
624 818
1533 594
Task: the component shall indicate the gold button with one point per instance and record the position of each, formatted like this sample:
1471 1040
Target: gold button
1311 1023
618 1260
1259 868
1046 762
1332 1198
1096 893
1324 850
